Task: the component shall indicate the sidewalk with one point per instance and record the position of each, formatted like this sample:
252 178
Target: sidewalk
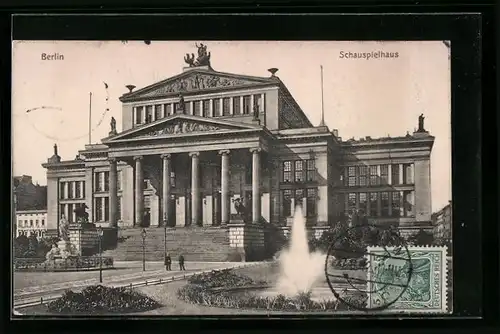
33 281
70 281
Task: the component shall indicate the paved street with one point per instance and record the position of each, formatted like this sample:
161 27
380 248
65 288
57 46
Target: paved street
30 284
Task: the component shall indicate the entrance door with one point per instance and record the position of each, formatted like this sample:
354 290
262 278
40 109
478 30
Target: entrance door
216 209
188 209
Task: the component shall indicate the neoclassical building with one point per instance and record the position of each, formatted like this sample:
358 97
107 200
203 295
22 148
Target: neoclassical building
194 143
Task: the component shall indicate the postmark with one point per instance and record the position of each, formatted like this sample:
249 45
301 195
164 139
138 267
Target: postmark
347 267
426 289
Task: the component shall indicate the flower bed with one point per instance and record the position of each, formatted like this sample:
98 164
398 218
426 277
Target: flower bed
214 289
76 263
99 299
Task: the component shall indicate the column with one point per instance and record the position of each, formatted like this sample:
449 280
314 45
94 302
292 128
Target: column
163 110
402 204
252 102
66 191
225 208
134 116
211 108
113 193
167 169
389 174
255 185
231 105
139 191
221 106
263 102
401 180
241 106
195 188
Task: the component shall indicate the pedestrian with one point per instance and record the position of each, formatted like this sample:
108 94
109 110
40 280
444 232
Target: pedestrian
168 262
181 263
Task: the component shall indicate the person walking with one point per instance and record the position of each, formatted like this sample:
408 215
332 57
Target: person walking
181 263
168 262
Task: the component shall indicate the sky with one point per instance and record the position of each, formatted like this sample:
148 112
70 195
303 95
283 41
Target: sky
362 97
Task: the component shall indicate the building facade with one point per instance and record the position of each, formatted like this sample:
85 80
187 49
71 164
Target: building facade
193 144
442 222
30 222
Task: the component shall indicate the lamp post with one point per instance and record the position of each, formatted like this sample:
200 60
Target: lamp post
100 233
165 237
143 234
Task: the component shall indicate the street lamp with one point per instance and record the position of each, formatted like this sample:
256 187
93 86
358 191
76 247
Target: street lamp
143 234
100 233
165 237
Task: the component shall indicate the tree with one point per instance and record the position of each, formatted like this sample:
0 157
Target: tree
422 238
21 244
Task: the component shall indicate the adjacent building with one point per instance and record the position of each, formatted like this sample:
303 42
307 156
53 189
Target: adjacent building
30 222
442 222
194 143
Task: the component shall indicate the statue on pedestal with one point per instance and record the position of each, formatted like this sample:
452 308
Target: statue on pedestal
63 229
241 210
421 123
113 126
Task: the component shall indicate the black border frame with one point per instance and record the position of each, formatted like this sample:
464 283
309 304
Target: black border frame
472 113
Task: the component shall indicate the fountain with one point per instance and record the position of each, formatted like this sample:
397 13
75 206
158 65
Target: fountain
300 270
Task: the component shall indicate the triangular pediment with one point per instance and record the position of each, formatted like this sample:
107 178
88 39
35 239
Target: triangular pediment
180 125
193 81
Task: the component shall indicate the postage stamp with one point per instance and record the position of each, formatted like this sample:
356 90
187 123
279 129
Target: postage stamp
418 285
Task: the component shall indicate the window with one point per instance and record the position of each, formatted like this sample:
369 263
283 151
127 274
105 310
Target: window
206 108
70 213
172 179
158 114
258 102
78 189
187 107
408 173
299 171
384 174
363 173
351 176
31 223
287 203
197 108
287 171
98 181
61 190
176 107
217 107
396 204
408 202
373 204
384 197
37 223
246 104
311 202
43 222
145 184
363 203
311 170
70 189
138 115
226 106
19 223
351 203
248 174
83 189
106 208
106 180
373 176
299 195
395 174
149 114
168 109
236 105
98 209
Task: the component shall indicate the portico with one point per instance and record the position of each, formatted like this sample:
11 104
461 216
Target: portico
196 183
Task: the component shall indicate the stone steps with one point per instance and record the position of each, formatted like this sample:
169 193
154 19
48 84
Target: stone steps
195 243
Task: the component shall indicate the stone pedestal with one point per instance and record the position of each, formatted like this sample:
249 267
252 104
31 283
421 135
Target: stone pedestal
247 240
84 238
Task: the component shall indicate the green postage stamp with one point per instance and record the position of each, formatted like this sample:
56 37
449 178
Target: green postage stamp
409 279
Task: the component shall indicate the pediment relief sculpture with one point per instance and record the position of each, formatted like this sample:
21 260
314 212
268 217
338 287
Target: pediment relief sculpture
180 127
196 82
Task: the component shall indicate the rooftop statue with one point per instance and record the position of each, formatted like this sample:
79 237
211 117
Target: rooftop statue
203 58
